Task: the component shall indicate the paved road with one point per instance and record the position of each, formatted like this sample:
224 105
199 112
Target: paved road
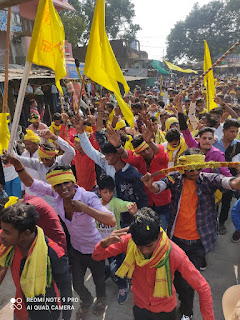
219 274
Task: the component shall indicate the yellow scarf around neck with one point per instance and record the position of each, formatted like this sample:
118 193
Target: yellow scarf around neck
159 260
37 273
181 148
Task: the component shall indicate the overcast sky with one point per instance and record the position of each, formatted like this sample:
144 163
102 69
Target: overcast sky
156 18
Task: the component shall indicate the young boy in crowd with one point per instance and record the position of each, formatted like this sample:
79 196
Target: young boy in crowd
117 206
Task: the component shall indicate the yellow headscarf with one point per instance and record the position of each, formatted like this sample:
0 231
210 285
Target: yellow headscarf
169 122
181 148
144 145
31 136
43 154
60 176
120 124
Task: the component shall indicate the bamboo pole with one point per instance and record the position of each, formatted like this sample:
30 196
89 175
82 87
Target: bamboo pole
5 94
213 66
19 104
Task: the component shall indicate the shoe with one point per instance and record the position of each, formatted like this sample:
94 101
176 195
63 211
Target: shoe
222 229
186 317
203 265
236 236
123 295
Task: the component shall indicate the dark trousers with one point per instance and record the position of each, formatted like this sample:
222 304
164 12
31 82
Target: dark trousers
195 253
226 203
144 314
80 263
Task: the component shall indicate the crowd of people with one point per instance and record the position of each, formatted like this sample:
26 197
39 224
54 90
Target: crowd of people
90 192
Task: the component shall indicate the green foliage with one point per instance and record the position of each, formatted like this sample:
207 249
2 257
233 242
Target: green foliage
118 13
217 22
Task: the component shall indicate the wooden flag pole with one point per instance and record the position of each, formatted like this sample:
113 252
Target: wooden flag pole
5 94
19 104
213 66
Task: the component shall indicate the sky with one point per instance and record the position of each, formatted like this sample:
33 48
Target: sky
157 18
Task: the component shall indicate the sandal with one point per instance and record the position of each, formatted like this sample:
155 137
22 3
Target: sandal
83 309
100 306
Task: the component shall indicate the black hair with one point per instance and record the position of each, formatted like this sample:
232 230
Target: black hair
106 182
32 101
63 168
205 129
187 100
48 146
153 119
110 105
108 148
218 110
137 106
199 101
161 104
210 119
145 227
172 135
191 151
23 216
3 201
231 123
57 116
137 140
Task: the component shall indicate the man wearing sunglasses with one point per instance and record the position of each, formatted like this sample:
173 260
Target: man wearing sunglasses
192 224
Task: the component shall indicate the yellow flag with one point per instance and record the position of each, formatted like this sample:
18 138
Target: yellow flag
4 132
47 47
209 79
176 68
100 63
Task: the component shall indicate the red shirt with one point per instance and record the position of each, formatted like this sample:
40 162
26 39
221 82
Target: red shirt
85 171
159 161
143 279
48 220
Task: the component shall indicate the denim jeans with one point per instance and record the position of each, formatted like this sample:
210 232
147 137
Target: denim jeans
163 213
114 264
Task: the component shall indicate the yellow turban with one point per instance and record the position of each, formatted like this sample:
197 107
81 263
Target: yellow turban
169 122
192 159
34 117
42 153
31 136
144 145
60 176
12 200
120 124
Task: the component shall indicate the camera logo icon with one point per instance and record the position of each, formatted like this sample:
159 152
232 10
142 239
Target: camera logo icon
16 303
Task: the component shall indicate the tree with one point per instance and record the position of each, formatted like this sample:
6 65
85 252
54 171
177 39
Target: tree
217 22
119 15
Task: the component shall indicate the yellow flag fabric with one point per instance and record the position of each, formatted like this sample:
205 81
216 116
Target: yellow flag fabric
209 79
47 47
100 63
4 132
176 68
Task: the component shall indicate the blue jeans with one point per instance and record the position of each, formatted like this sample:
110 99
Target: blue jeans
163 213
13 188
114 265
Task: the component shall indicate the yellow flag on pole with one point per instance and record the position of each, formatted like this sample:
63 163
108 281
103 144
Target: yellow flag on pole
47 47
4 131
209 79
100 63
176 68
